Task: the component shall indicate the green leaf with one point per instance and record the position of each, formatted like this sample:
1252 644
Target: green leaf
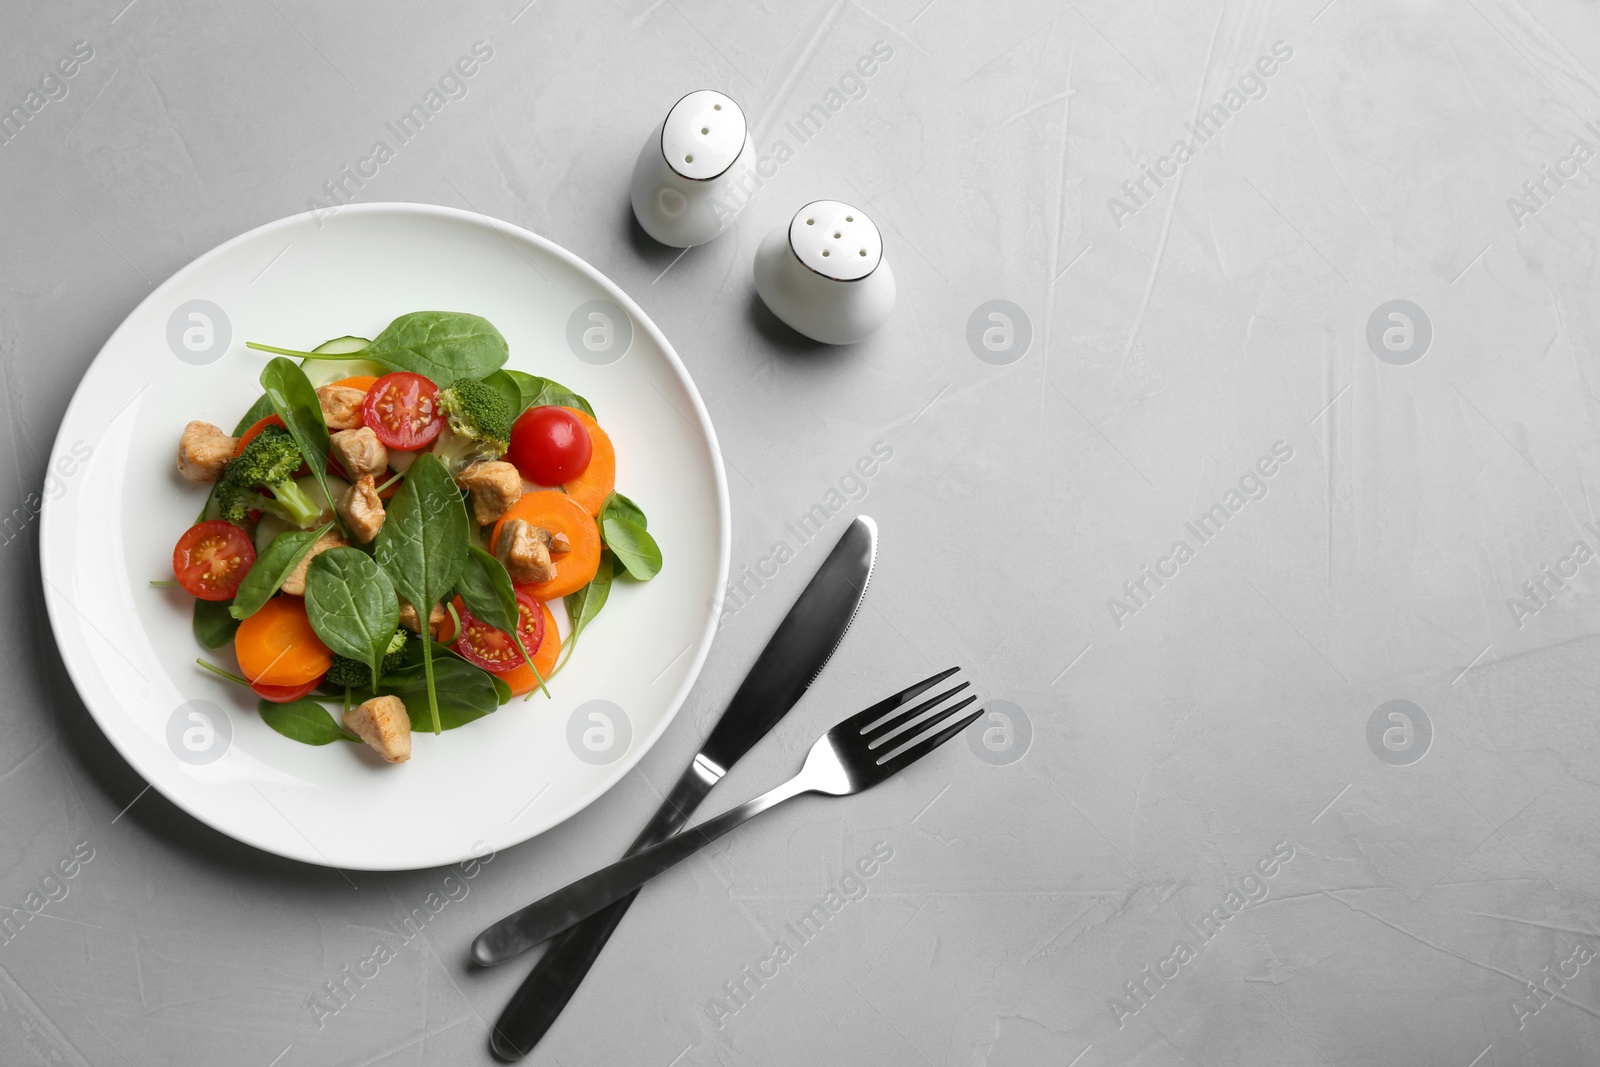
214 626
440 345
423 545
502 382
486 589
295 401
271 568
622 507
352 605
586 603
305 721
540 392
488 592
258 411
463 692
622 526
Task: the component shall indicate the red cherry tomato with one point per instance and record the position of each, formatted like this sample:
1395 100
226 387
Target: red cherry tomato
284 694
212 558
403 410
550 446
494 650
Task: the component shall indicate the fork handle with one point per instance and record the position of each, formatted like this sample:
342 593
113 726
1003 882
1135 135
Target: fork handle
549 916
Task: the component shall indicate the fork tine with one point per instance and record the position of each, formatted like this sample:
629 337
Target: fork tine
883 707
927 745
884 732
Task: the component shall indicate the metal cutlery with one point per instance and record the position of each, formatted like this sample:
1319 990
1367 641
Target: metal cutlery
792 658
855 755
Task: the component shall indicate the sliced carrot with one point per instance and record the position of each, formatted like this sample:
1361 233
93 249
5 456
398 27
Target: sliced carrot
255 428
559 513
360 381
599 478
521 679
277 646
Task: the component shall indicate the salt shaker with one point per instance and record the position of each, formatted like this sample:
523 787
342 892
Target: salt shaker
681 179
825 274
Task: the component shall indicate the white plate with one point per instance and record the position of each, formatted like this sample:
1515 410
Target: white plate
113 517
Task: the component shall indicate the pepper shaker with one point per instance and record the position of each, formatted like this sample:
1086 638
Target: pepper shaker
685 167
825 273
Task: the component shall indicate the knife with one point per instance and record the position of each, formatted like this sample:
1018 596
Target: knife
791 660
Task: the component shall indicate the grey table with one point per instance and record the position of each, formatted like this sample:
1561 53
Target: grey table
1260 510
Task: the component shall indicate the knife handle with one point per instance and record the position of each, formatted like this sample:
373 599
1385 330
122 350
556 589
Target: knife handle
542 995
540 998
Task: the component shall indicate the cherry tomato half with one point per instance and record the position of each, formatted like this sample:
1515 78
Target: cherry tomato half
403 410
284 694
550 446
494 650
212 558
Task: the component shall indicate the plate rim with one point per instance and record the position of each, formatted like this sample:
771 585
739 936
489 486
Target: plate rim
49 561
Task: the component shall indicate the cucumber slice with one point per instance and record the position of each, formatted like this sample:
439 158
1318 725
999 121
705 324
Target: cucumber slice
323 371
341 345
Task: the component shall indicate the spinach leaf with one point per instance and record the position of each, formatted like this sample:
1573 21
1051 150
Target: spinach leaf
621 506
258 411
271 568
464 692
352 605
586 603
295 401
486 589
439 345
623 529
214 626
539 392
423 547
503 383
305 721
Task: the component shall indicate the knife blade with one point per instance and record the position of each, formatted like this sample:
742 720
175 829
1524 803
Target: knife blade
793 657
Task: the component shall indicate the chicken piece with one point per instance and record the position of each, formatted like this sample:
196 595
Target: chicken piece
359 452
341 405
525 550
362 509
559 545
295 583
495 485
436 619
382 722
203 451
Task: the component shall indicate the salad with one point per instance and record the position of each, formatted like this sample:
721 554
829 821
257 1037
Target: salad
388 526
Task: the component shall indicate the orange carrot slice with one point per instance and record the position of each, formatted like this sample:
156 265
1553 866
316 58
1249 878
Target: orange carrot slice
277 646
521 679
559 513
599 478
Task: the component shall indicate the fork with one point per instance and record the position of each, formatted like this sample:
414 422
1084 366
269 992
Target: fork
857 754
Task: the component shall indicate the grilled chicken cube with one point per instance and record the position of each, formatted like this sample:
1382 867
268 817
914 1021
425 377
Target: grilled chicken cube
436 619
525 550
295 583
341 405
203 451
382 722
495 486
361 509
359 452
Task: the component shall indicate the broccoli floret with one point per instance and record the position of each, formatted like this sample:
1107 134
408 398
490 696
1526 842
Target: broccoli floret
270 460
344 671
479 426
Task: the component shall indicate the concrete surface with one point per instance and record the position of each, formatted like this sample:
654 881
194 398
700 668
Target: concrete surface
1202 833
